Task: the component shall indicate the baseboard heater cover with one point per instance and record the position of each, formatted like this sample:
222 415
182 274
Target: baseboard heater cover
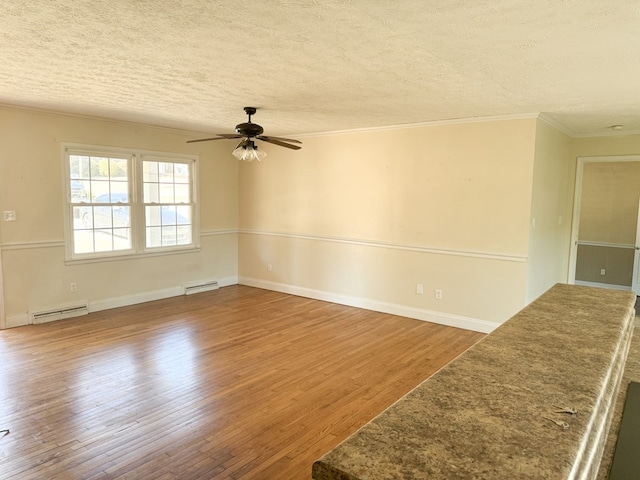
203 286
59 313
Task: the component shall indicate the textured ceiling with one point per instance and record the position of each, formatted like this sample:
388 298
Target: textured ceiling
314 66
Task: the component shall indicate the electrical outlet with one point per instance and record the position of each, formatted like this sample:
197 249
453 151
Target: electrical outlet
603 271
419 288
270 267
438 294
9 216
73 287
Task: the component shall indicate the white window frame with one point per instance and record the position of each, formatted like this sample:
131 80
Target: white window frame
135 178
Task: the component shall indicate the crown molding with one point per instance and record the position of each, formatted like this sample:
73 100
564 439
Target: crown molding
557 125
98 118
434 123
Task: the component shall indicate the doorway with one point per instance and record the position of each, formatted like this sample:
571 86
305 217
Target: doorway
605 223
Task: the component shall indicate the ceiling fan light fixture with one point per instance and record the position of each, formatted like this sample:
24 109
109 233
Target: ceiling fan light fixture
248 151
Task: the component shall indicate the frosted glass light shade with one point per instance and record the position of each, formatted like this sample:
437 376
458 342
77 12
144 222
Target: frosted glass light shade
248 151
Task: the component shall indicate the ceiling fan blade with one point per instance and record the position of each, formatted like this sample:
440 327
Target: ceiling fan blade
265 137
230 135
221 136
278 142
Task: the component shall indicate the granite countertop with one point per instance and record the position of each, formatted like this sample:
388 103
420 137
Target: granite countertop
481 416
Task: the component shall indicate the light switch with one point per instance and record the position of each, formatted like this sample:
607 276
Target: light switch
9 216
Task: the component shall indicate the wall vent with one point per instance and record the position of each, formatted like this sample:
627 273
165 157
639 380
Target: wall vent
58 313
203 286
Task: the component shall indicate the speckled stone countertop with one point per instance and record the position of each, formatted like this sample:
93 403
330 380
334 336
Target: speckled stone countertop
481 416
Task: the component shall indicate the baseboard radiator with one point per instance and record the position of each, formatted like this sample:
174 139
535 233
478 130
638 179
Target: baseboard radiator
204 286
58 313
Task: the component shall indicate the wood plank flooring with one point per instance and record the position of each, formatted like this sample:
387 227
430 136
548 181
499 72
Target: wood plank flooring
235 383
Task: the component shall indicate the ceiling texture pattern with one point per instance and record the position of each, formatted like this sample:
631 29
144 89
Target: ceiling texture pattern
313 66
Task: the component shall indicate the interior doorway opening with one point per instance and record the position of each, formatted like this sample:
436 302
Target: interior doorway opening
604 239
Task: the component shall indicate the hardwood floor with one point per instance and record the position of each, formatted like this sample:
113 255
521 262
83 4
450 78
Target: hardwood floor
235 383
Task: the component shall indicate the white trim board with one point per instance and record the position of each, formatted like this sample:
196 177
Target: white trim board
447 319
507 257
123 301
60 243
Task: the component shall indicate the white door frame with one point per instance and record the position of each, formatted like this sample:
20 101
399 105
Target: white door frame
635 275
575 225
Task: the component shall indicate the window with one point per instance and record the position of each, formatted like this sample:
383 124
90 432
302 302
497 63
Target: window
128 203
167 205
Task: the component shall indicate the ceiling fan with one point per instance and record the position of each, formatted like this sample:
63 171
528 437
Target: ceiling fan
247 149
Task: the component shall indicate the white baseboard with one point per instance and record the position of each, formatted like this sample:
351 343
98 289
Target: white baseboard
134 299
124 301
143 297
395 309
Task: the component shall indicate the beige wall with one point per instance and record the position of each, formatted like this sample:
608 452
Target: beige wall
616 262
364 217
604 146
551 210
34 271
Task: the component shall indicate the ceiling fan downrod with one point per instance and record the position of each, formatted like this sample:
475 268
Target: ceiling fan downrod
250 111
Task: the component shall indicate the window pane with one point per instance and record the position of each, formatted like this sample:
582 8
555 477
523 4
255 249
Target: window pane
84 215
99 167
165 169
181 173
166 193
79 190
152 216
103 240
76 214
184 234
183 215
169 235
98 188
102 217
118 168
154 237
150 171
121 216
151 194
182 193
121 238
79 166
119 191
83 241
168 215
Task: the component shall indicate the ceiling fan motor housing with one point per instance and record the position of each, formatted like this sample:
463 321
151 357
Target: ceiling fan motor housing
249 129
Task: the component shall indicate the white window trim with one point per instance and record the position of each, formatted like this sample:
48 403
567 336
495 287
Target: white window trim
136 157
